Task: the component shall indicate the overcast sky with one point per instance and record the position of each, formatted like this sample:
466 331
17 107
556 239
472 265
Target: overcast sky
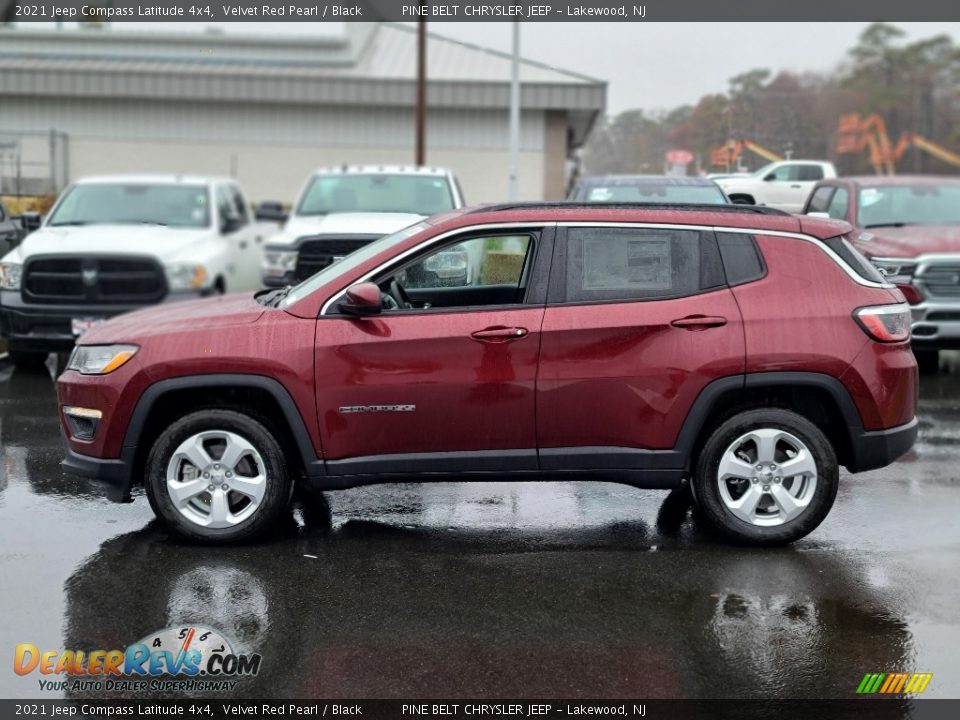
647 65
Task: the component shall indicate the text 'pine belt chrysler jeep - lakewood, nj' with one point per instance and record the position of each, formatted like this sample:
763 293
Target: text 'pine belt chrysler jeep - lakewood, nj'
112 244
750 352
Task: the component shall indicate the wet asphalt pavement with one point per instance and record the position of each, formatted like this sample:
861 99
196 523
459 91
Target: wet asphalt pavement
564 590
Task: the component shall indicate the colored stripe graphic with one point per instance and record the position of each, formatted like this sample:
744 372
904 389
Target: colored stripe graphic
894 683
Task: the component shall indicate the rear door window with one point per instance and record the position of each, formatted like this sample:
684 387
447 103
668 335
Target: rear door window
614 263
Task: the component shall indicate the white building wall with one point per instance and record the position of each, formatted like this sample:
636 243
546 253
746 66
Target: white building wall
277 172
272 149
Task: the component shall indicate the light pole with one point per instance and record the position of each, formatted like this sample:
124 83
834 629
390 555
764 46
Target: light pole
513 189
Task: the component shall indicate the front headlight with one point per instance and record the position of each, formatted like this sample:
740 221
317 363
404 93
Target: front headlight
10 275
277 263
100 359
186 276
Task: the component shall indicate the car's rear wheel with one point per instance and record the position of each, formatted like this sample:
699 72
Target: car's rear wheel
766 477
218 476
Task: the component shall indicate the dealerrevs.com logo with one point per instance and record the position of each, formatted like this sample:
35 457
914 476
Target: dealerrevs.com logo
192 658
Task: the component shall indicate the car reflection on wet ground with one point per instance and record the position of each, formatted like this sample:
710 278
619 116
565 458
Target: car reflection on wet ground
563 590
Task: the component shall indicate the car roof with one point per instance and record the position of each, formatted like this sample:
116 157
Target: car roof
748 217
159 179
648 180
891 180
382 170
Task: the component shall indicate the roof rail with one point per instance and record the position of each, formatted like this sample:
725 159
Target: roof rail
564 205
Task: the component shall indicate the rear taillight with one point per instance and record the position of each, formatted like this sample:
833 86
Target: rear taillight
885 323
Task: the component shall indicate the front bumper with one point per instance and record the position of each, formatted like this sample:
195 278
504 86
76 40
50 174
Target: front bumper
116 474
936 325
873 449
48 327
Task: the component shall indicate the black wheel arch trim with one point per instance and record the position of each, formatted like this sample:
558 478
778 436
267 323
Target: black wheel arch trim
868 449
148 399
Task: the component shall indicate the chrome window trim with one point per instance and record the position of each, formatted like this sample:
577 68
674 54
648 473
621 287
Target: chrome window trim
426 244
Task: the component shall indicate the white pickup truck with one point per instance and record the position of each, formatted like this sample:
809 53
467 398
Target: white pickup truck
116 243
341 209
785 184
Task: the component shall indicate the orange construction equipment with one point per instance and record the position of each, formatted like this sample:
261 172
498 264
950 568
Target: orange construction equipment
728 153
854 134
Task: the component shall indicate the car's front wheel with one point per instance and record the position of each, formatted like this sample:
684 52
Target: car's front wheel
218 476
766 477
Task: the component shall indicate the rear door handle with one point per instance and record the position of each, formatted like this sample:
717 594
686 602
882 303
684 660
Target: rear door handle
499 334
699 322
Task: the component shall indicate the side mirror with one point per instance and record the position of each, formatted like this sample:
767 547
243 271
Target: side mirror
229 224
30 221
361 300
821 215
770 177
270 211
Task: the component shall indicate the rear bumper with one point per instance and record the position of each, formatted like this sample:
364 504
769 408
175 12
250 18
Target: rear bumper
873 449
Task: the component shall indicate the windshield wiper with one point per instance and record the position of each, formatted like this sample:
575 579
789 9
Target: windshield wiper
272 298
69 222
886 224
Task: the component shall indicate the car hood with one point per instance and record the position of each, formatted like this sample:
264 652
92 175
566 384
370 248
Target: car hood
177 317
348 224
154 240
908 241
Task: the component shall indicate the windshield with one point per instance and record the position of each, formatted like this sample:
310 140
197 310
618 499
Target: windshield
186 206
350 262
653 192
416 194
909 205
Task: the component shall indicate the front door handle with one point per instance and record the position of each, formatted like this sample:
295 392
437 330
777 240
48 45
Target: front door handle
499 334
796 187
699 322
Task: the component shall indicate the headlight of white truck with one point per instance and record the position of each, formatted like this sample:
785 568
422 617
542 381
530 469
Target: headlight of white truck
277 263
186 276
10 275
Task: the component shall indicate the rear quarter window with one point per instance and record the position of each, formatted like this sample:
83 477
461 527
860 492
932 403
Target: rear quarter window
742 261
852 257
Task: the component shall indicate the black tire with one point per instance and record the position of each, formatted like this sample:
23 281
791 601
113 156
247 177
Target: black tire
279 487
707 492
31 361
928 361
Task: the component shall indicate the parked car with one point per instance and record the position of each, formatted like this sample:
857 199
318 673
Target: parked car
785 184
341 209
909 228
116 243
9 231
750 351
648 188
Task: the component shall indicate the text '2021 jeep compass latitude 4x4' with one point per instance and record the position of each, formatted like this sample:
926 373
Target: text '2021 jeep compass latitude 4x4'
746 350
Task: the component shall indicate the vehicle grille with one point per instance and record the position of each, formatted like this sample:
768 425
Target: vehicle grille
93 280
941 280
316 253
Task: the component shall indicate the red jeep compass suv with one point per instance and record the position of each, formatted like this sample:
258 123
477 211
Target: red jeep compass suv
745 350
